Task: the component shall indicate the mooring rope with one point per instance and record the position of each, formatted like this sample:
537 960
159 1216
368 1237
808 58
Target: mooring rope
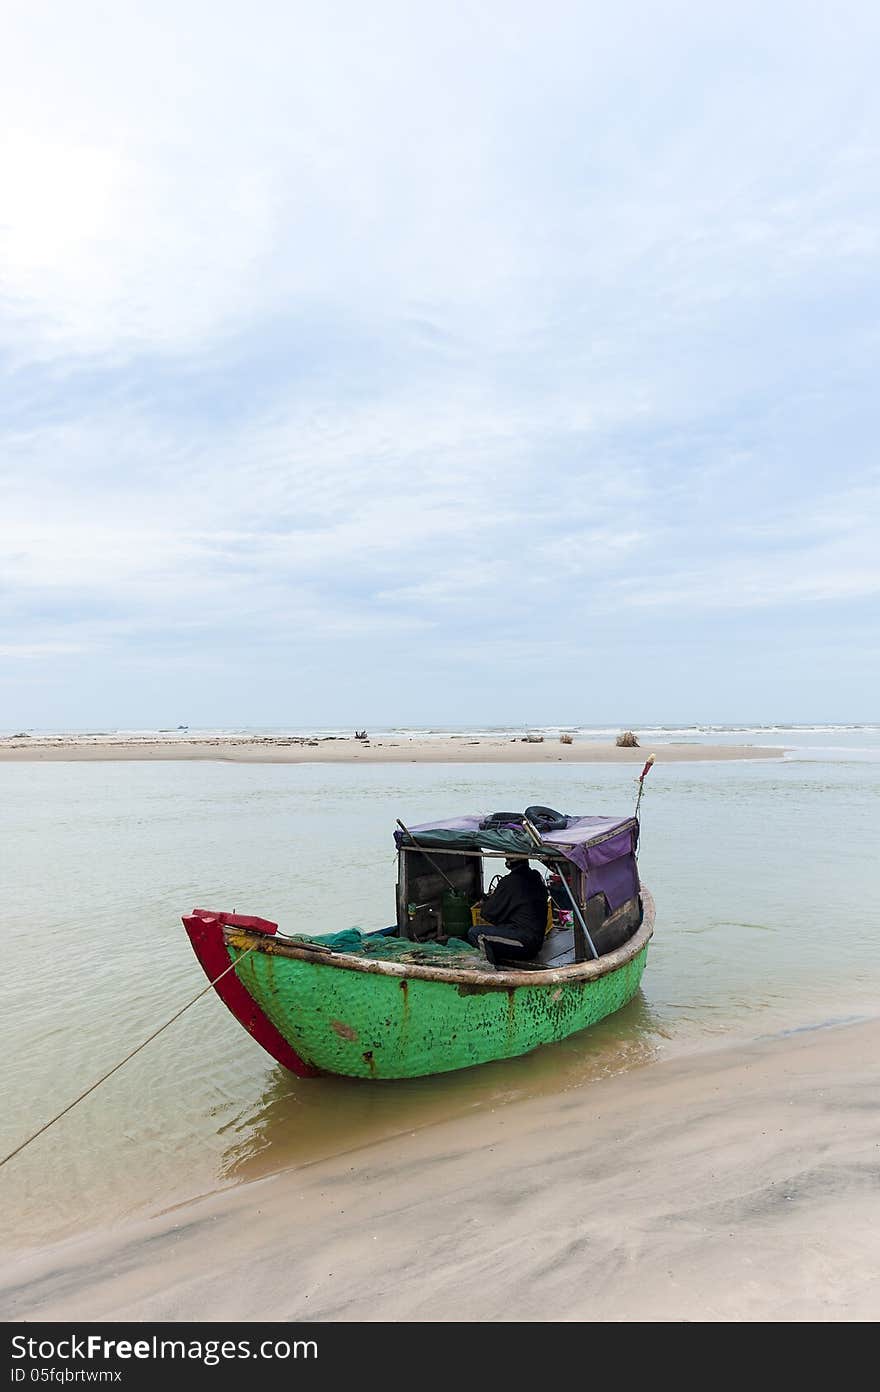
115 1069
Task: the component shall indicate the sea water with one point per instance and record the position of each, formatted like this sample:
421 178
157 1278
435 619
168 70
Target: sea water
767 921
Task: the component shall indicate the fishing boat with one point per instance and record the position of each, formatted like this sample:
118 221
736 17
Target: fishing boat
417 997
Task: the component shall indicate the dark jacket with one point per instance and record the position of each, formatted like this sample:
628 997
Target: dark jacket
519 902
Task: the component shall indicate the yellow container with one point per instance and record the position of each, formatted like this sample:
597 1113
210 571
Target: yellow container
479 922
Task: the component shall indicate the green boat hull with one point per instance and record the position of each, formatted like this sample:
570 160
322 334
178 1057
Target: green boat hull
385 1022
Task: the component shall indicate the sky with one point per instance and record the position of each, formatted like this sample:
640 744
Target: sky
414 363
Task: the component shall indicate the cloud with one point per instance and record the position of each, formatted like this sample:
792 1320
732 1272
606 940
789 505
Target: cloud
370 330
24 651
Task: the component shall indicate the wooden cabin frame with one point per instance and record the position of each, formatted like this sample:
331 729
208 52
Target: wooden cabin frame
419 883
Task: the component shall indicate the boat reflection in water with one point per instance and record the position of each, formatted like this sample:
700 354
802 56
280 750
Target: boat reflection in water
295 1122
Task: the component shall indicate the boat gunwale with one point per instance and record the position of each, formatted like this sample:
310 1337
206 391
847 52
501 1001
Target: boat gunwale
502 979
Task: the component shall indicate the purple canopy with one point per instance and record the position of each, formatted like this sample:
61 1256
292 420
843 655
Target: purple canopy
604 847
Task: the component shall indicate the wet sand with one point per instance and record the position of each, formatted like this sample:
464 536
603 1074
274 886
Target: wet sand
736 1185
452 750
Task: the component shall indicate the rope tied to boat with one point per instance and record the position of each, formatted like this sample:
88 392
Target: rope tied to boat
116 1067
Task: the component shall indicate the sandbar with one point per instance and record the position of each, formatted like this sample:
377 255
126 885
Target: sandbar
386 750
733 1185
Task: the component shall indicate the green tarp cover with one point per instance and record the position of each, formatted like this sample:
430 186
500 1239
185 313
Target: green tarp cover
510 839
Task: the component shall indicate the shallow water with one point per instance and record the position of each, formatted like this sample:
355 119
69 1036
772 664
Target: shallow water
766 920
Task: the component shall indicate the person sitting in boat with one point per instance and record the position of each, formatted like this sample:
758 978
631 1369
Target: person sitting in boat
517 914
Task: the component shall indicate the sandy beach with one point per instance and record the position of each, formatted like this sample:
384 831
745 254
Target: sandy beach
455 749
733 1185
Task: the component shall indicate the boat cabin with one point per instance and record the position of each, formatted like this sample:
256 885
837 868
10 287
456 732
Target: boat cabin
445 868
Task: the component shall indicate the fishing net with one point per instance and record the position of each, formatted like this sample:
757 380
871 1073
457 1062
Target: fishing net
454 953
